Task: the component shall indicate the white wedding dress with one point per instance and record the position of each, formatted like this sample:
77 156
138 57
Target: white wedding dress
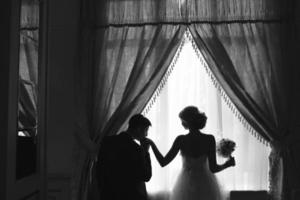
196 181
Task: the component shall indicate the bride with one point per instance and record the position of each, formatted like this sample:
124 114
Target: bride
198 150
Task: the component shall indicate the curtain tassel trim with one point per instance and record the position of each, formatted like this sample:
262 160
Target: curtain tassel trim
164 79
223 94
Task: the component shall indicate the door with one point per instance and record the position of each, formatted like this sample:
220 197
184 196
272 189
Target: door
23 156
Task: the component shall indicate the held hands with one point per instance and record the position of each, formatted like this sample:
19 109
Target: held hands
145 143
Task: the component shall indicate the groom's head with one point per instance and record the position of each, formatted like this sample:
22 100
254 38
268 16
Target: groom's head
138 126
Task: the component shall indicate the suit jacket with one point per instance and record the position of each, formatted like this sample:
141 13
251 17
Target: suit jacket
123 168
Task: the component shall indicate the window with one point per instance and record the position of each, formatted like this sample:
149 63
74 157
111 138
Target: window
190 84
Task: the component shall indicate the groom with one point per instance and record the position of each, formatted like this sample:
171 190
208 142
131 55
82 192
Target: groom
124 165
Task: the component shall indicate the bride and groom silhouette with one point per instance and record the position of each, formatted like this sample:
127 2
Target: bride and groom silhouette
124 165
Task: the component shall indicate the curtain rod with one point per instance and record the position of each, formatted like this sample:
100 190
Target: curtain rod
195 22
33 28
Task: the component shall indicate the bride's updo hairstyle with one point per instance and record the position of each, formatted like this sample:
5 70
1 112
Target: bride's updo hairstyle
191 117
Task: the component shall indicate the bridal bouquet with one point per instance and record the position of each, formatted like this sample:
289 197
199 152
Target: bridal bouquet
225 147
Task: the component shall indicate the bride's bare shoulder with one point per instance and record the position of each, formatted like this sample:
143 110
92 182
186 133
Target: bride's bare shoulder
207 135
180 138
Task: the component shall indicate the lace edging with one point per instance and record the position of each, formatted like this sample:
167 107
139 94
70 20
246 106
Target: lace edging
164 79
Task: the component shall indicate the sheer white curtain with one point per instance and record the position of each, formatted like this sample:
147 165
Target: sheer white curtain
189 84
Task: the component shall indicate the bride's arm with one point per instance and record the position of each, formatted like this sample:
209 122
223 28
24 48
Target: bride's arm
165 160
213 166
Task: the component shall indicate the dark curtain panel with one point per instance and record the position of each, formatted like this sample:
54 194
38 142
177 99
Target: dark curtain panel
128 64
247 59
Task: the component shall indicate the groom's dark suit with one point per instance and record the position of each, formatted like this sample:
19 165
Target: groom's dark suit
123 168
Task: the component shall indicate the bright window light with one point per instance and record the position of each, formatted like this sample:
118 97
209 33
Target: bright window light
189 84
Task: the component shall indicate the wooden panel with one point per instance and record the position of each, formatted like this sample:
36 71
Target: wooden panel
296 194
33 196
59 187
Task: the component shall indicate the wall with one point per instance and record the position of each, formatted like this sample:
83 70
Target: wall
62 50
5 37
295 139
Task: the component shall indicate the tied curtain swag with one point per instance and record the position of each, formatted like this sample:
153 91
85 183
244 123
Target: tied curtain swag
127 46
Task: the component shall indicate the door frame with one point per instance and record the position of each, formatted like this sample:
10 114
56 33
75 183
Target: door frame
32 186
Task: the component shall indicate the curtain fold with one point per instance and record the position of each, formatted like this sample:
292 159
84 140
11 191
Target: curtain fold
248 70
131 61
135 59
247 59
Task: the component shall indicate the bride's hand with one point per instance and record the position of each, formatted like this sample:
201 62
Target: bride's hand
230 161
146 143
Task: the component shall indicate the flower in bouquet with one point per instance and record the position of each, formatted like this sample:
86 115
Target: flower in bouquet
225 147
